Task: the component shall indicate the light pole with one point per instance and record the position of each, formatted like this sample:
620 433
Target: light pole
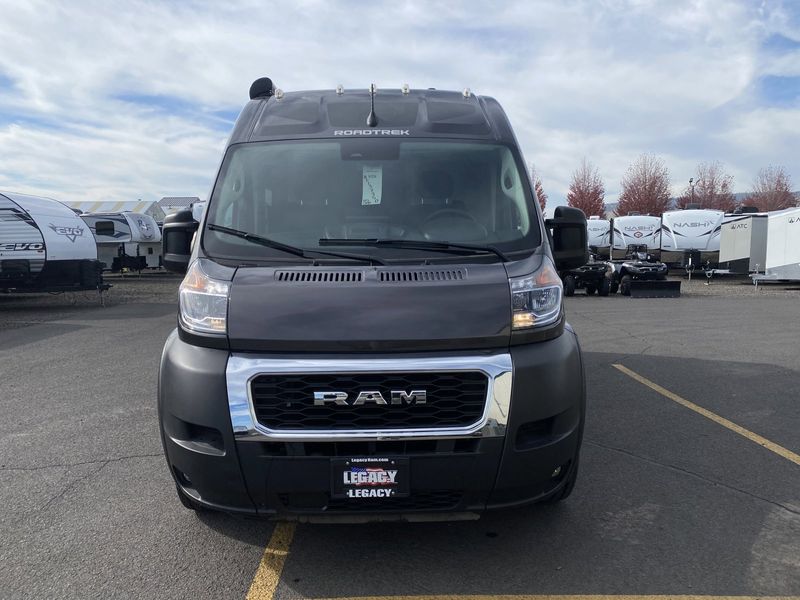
692 183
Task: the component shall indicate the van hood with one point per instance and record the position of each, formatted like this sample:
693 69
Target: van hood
368 309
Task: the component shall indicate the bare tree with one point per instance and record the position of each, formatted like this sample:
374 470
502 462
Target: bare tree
645 187
772 190
712 188
537 186
586 191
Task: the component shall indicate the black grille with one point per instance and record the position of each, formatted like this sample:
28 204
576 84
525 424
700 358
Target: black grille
287 401
421 500
421 276
319 276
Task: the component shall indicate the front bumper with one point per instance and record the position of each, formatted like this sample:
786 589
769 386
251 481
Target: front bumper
508 459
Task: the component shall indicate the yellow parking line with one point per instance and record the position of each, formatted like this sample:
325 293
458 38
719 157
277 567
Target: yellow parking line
268 574
563 597
753 437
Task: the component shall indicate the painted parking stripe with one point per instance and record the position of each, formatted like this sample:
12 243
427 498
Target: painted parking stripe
561 597
753 437
268 574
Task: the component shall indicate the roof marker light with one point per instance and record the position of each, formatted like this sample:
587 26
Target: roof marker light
279 94
405 89
467 93
339 89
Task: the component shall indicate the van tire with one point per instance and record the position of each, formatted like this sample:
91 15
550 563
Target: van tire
569 285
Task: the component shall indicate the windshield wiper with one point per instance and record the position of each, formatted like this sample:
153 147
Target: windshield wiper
263 241
414 244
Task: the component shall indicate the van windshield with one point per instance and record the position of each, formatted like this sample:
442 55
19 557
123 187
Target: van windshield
298 193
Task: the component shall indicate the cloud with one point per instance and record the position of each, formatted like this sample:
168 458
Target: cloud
117 101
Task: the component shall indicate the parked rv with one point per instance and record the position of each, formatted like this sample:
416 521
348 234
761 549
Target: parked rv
743 243
635 230
126 240
599 236
45 247
691 238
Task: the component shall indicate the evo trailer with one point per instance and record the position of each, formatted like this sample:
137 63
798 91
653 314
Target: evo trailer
45 247
371 324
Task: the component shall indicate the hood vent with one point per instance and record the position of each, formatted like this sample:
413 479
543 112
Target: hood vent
319 276
420 276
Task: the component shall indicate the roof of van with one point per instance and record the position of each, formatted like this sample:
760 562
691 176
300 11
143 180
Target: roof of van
415 114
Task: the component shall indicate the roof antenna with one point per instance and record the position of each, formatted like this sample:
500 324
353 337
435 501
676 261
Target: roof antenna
372 119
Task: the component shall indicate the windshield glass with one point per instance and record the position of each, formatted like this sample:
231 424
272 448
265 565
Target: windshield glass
300 192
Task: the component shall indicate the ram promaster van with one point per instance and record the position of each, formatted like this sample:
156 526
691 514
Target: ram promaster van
371 322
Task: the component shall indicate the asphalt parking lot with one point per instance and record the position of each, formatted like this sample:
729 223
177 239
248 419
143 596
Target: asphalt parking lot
700 498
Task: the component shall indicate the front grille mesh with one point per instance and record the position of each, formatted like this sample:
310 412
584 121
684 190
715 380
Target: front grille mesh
433 500
285 402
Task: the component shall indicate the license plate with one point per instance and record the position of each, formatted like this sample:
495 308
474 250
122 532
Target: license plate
370 478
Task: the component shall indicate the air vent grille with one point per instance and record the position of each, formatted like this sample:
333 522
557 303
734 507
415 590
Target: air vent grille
319 276
422 275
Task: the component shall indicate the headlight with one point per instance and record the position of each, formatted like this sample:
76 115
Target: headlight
204 301
536 298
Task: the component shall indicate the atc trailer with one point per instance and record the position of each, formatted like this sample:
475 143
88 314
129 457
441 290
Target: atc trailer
743 243
599 236
691 237
783 246
45 247
126 240
635 231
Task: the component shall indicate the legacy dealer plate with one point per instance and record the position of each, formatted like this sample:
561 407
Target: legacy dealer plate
377 478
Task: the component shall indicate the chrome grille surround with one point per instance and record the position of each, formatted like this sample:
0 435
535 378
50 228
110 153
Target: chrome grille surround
242 368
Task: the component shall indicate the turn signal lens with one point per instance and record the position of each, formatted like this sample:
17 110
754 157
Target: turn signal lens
203 301
536 298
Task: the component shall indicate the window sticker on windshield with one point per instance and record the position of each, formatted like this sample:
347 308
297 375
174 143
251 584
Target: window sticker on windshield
371 185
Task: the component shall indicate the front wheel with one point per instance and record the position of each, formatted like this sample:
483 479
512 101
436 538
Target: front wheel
625 285
569 285
605 287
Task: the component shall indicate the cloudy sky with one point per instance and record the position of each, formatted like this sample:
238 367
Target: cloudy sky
125 100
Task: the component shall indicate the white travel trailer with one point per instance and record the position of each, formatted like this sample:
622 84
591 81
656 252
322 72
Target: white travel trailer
126 240
635 230
45 247
691 234
783 246
599 235
743 242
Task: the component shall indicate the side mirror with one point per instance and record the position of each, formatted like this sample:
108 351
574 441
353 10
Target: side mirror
176 240
569 238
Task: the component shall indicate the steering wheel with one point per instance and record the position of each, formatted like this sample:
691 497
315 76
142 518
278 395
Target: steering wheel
468 229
